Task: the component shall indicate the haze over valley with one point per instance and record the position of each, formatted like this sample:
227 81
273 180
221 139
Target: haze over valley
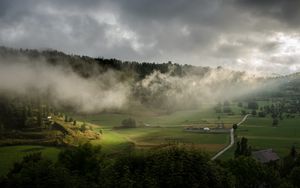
142 93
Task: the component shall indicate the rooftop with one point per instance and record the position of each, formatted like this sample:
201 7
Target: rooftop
265 156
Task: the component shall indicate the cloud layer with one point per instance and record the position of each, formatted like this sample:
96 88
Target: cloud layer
260 36
63 87
111 90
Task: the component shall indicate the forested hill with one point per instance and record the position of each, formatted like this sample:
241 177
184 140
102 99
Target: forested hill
112 83
115 84
87 65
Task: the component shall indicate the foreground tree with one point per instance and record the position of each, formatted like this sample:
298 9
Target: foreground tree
34 171
295 177
242 148
293 152
85 166
84 161
172 167
250 173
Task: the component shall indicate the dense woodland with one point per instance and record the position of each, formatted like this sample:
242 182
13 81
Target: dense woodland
86 66
87 166
20 113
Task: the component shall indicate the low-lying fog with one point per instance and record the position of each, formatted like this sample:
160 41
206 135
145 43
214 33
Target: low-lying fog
108 91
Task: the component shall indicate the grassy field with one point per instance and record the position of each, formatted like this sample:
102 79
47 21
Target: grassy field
155 137
114 141
179 118
157 130
11 154
262 135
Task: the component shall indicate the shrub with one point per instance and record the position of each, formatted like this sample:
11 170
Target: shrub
128 123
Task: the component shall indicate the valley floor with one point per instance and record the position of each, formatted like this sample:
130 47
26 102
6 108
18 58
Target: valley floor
156 131
262 135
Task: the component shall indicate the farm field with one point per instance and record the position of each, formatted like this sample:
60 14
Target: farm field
204 117
115 141
262 135
11 154
156 131
160 130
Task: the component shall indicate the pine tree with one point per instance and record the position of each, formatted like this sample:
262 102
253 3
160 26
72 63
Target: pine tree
242 148
39 117
293 152
237 151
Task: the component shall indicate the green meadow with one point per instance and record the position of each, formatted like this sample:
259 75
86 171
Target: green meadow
159 130
262 135
11 154
155 130
204 116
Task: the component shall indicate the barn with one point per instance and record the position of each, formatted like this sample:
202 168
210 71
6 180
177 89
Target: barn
265 156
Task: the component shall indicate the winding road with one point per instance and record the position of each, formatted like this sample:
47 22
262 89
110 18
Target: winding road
231 139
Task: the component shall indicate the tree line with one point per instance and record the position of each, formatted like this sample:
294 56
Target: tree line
86 66
87 166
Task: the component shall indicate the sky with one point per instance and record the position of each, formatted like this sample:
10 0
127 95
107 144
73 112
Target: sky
260 36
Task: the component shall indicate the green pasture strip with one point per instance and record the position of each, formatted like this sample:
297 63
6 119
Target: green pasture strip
11 154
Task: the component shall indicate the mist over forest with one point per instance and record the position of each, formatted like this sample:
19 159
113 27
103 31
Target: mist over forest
158 94
111 123
92 85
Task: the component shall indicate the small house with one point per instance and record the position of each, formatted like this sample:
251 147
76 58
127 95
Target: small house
265 156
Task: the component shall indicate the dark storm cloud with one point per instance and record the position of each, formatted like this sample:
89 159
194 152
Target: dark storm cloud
206 32
285 10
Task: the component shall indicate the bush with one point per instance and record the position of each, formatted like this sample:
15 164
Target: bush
128 123
83 128
243 112
261 114
234 126
275 122
226 109
253 105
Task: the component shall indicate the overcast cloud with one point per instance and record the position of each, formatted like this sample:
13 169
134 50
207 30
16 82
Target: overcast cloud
255 35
